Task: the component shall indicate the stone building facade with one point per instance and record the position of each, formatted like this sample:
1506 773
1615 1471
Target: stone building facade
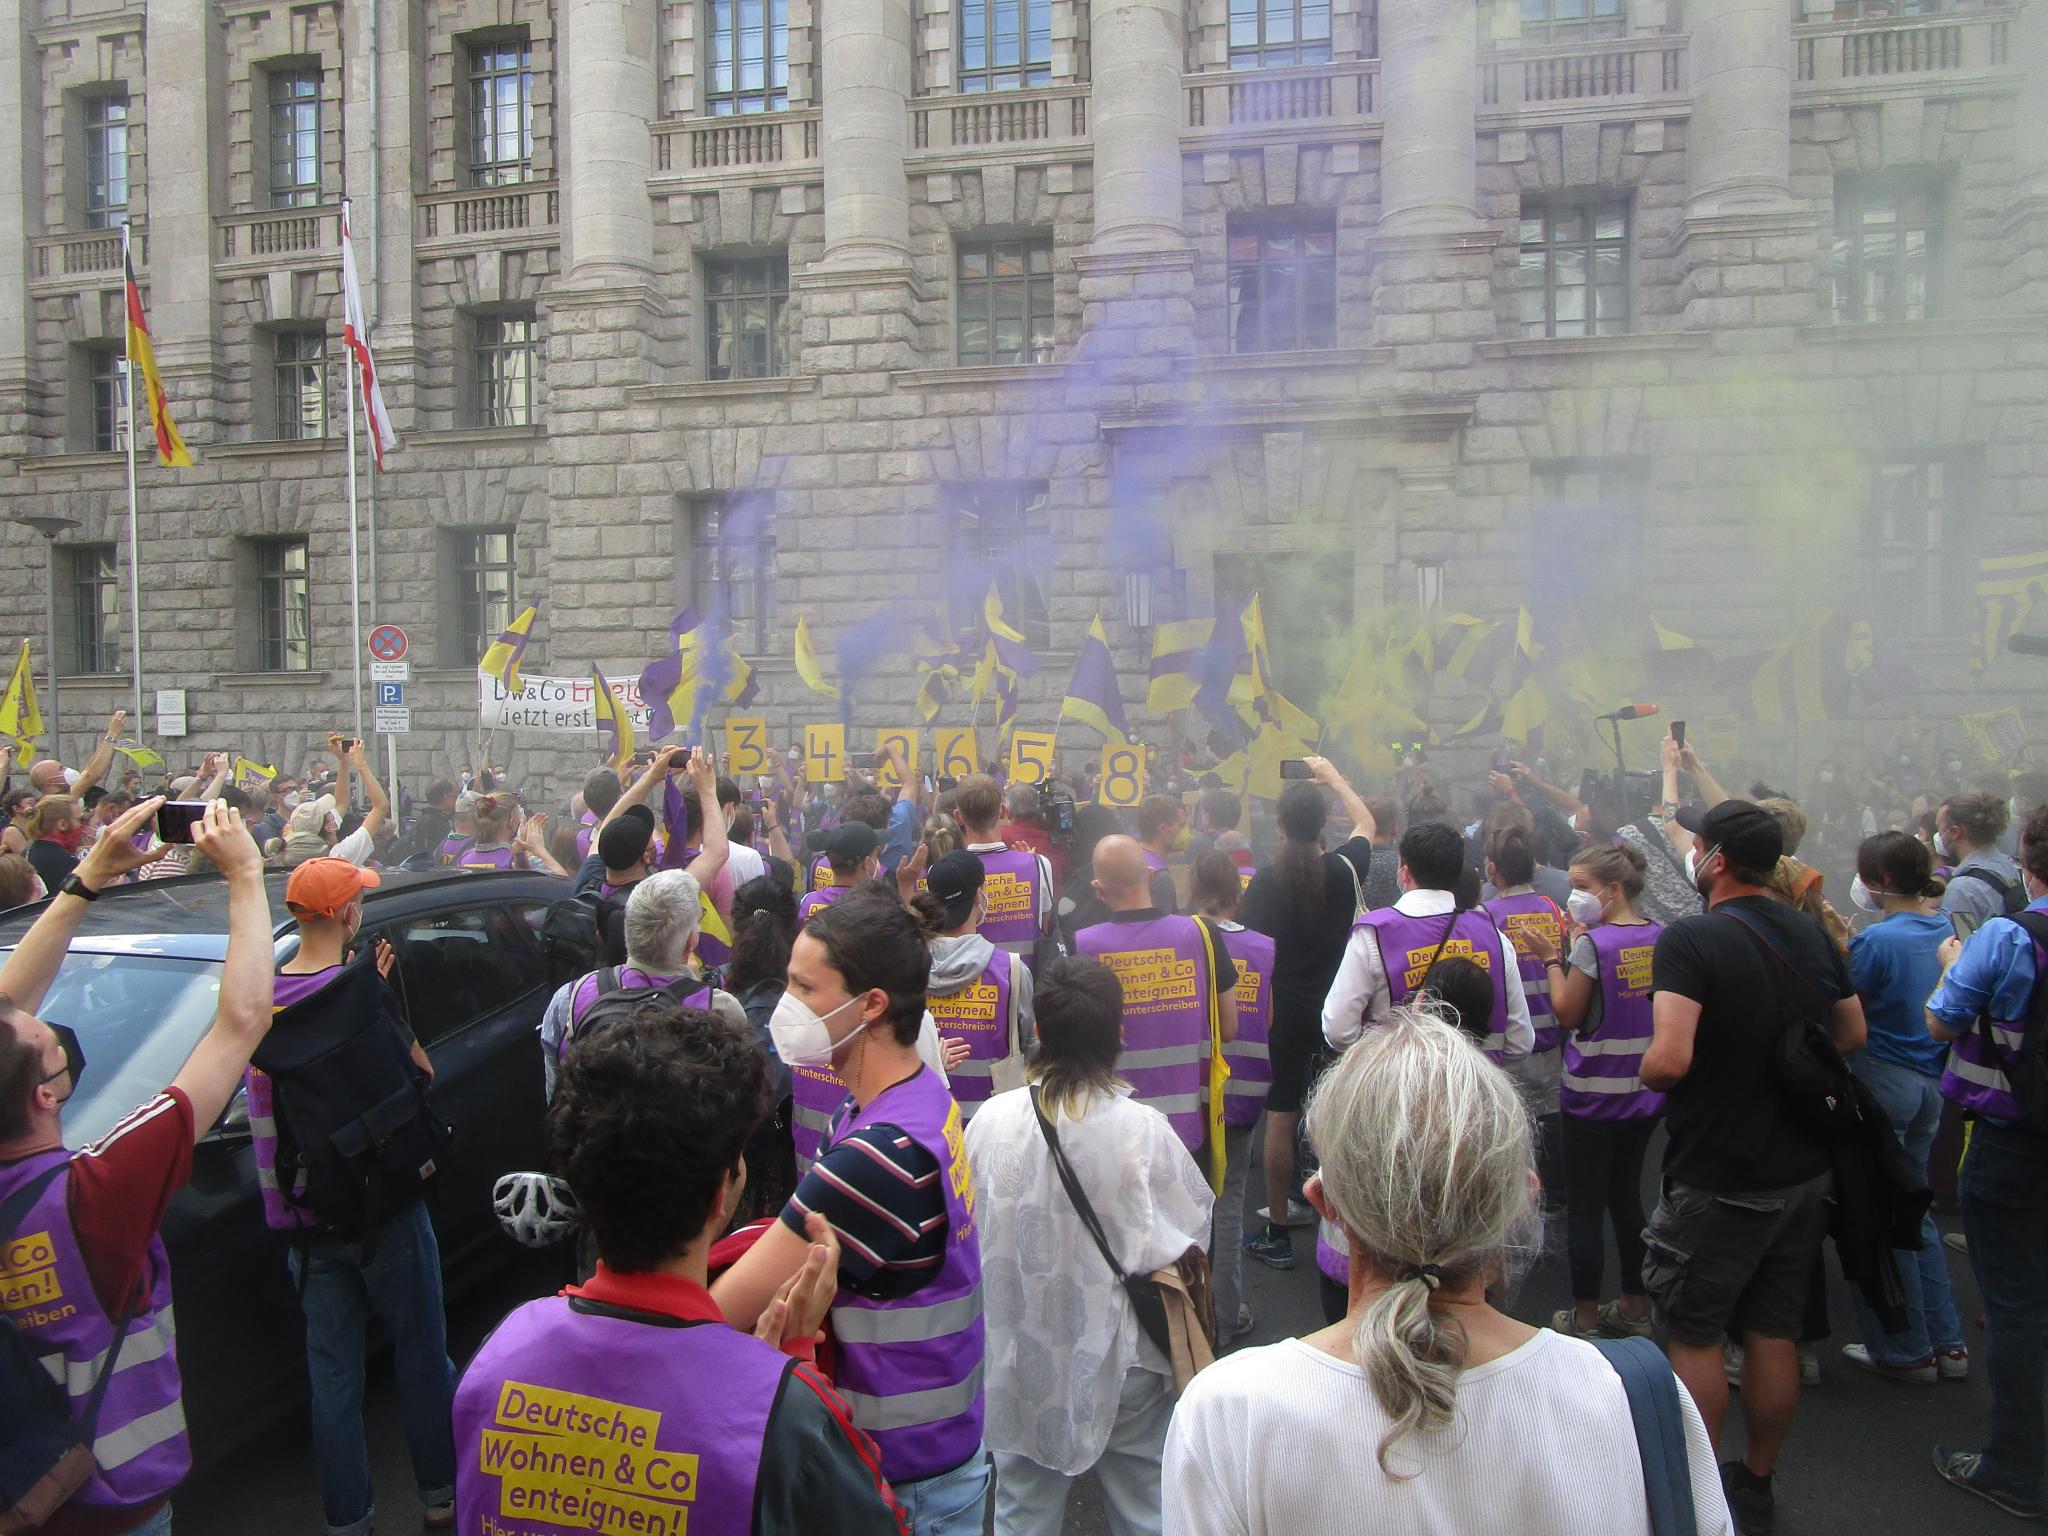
1726 310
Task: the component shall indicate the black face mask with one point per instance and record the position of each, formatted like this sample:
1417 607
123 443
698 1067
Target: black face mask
74 1057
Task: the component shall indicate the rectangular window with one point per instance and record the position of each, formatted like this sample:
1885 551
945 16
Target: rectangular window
1881 10
500 112
1574 275
299 364
1886 235
732 559
745 313
106 159
95 608
749 63
1571 21
1283 284
1268 34
1005 44
107 379
1003 533
294 138
283 606
1921 552
486 589
504 370
1005 301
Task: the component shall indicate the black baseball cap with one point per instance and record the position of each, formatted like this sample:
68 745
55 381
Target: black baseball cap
956 880
850 844
622 841
1747 833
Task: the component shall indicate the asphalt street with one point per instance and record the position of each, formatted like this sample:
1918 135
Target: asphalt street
1858 1460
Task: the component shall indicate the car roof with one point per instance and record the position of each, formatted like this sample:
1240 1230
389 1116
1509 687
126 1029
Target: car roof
186 916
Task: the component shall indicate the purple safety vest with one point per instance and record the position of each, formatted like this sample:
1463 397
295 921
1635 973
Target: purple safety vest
1408 944
48 1294
1163 965
820 873
281 1210
487 858
575 1418
1518 916
910 1369
1333 1252
983 1013
1011 886
1975 1075
1603 1070
586 831
590 988
815 1096
1251 1067
817 901
451 849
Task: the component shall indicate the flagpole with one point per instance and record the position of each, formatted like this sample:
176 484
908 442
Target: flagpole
134 543
355 573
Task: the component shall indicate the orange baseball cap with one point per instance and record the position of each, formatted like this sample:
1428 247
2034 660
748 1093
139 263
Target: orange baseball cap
323 887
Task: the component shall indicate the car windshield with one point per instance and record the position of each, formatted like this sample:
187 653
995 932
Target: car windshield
138 1017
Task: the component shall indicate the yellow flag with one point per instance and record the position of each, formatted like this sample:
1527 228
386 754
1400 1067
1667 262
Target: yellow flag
20 716
807 666
502 659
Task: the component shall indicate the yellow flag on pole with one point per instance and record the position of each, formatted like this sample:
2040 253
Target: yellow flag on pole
807 666
20 715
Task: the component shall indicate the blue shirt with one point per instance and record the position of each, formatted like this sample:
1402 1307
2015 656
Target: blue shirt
902 834
1896 965
1994 974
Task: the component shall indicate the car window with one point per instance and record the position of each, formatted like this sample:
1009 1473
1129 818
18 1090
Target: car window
137 1017
455 968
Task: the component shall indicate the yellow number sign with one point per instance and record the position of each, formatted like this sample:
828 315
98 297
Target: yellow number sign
746 745
957 751
1031 756
1123 776
825 753
905 745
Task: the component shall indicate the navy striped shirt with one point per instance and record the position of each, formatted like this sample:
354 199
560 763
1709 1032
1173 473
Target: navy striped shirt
880 1191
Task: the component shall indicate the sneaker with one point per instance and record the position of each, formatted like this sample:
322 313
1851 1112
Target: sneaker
1953 1364
1751 1504
440 1517
1731 1363
1809 1366
1922 1375
1245 1320
1956 1242
1298 1215
1963 1468
1617 1324
1272 1250
1565 1320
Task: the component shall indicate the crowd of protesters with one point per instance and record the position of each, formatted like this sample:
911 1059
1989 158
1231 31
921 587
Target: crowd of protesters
903 1133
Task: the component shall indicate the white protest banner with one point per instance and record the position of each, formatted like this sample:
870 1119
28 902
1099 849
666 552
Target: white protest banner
561 704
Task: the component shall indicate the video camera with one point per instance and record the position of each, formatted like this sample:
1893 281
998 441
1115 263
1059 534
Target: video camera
1056 812
1635 791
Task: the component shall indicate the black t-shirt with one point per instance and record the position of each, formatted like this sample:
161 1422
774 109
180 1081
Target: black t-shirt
1308 942
1729 1128
51 862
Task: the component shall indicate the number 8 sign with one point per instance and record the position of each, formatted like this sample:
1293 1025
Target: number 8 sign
1123 776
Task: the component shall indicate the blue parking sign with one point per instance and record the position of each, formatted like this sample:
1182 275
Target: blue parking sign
390 693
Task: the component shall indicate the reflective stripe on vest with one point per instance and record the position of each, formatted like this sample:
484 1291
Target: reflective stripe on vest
1602 1078
1163 966
815 1097
1251 1065
1518 917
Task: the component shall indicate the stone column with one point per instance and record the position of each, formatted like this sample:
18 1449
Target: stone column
182 61
864 53
1136 107
1429 68
20 189
1738 155
2025 226
607 52
384 123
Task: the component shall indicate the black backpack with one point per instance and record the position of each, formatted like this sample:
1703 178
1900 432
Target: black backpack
353 1121
582 932
45 1454
614 1002
2012 894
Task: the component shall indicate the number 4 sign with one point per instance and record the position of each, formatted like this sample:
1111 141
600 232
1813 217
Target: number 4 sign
824 753
1123 776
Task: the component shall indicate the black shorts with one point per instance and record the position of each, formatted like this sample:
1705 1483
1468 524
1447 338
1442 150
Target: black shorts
1298 1055
1743 1261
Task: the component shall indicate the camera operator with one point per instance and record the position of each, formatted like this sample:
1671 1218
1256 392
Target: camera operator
1027 828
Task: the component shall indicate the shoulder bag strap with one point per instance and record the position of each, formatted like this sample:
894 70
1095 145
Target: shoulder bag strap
1357 887
1449 929
1659 1422
1771 948
1013 1024
1073 1187
1219 1064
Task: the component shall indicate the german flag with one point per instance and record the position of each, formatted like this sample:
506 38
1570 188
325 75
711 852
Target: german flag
170 448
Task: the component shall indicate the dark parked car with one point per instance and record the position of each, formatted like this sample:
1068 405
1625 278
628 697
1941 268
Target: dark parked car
140 986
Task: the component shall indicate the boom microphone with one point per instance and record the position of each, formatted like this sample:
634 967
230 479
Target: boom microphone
1644 711
2028 645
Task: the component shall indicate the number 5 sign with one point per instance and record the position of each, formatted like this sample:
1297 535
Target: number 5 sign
957 751
1031 756
1123 776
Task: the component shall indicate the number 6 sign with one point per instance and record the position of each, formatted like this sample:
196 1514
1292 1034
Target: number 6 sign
957 751
1123 776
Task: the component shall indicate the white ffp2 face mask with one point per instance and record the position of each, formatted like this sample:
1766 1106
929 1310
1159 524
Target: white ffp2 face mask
1585 908
800 1034
1861 895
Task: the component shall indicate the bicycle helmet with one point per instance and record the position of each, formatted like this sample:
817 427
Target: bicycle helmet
536 1210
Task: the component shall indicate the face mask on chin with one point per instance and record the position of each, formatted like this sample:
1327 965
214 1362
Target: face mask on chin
1694 863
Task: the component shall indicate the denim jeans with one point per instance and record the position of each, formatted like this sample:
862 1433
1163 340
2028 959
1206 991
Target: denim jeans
954 1503
1912 1102
158 1524
1226 1231
2004 1190
402 1284
1031 1500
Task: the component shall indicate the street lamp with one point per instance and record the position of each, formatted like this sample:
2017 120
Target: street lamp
1138 599
1429 584
50 526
